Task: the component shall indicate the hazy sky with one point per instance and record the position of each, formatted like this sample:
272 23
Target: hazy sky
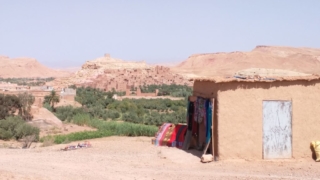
66 33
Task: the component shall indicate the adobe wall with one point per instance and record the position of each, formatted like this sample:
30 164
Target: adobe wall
67 97
38 102
147 94
35 109
139 93
239 115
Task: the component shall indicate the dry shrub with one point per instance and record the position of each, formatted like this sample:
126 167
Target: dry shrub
54 130
27 141
48 141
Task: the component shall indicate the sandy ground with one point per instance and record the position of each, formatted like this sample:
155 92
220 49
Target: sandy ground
136 158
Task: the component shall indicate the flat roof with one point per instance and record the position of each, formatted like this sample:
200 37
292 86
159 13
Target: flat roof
220 79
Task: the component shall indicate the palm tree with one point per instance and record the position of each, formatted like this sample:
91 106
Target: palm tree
52 98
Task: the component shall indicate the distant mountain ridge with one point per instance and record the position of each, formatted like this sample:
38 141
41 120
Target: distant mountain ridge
26 67
305 60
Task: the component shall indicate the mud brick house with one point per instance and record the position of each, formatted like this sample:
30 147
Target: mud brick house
262 118
68 94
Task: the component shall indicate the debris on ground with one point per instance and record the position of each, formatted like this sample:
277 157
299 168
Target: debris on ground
86 144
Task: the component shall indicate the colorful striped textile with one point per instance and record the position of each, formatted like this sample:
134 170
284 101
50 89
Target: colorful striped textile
166 138
170 135
161 133
160 130
173 136
177 136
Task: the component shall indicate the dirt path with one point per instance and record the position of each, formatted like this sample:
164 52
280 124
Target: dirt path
136 158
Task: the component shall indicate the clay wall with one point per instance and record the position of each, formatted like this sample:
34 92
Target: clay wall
69 91
38 101
128 92
101 84
139 93
147 94
122 86
111 85
35 109
238 115
161 69
68 97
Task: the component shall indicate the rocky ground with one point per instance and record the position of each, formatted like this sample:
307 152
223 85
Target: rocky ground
136 158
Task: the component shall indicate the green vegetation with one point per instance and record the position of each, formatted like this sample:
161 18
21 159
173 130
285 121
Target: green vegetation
119 128
10 104
150 111
164 90
52 99
129 117
105 129
27 81
78 136
13 126
91 97
16 128
100 105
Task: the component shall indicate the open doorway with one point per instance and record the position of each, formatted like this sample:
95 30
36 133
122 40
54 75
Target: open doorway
200 121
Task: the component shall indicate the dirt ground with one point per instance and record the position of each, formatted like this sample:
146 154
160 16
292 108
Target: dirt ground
135 158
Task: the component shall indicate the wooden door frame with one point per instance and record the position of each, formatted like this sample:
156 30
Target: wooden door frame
214 127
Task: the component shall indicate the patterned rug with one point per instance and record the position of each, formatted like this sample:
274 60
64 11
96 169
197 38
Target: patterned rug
171 135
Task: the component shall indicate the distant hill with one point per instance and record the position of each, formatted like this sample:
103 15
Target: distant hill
305 60
26 67
109 73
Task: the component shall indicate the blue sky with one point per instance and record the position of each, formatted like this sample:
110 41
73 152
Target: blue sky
66 33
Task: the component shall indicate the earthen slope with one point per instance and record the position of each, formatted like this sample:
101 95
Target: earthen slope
305 60
26 68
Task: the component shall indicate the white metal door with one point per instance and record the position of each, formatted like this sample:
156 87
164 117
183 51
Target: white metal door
277 129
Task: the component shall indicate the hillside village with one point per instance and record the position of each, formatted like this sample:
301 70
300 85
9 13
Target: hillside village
122 79
107 73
